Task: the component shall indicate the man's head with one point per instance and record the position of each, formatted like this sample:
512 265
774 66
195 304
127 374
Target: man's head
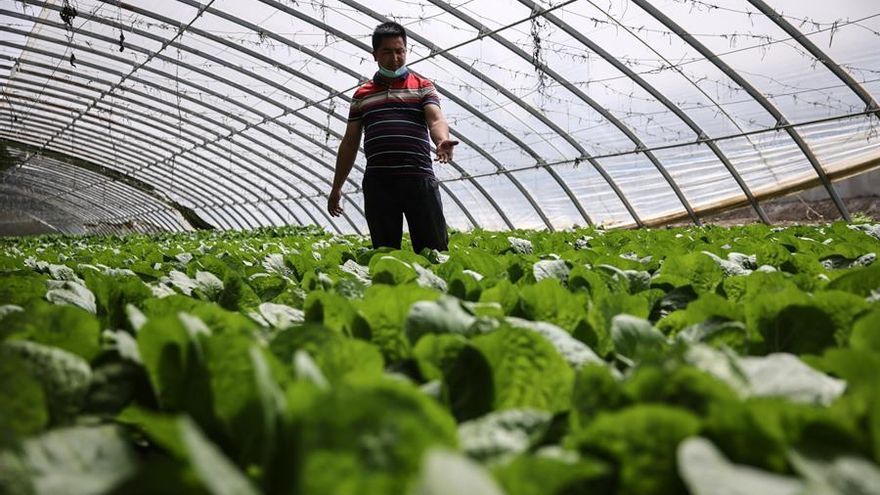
389 46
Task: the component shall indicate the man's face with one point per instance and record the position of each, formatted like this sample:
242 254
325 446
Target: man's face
391 53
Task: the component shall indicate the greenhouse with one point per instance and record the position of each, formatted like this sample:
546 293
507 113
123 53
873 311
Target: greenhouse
656 268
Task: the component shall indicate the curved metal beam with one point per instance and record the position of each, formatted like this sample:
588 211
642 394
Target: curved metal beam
165 89
257 172
357 76
54 218
283 88
332 63
31 180
755 94
821 56
134 137
279 87
132 182
459 101
589 101
36 192
659 96
119 193
129 111
133 155
80 194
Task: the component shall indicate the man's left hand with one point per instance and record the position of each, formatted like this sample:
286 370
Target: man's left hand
444 150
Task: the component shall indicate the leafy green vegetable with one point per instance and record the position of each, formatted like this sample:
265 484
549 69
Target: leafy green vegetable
641 440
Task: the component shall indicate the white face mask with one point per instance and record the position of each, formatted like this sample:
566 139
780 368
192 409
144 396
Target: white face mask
393 73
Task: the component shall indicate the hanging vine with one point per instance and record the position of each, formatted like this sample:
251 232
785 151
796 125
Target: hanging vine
539 26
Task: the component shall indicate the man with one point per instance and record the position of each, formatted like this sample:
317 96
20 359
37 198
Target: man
397 111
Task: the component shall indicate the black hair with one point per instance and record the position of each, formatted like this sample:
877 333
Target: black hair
387 30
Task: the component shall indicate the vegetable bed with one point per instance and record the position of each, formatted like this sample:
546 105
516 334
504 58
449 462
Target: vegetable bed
698 360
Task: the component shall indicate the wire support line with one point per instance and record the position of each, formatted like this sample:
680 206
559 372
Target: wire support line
572 161
101 96
308 104
726 137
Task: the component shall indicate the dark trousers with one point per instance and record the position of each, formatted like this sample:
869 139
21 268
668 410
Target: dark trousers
387 199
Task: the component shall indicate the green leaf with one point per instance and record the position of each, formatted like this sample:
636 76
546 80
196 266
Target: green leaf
243 383
65 377
445 472
337 357
866 332
386 269
827 473
527 370
445 315
501 435
682 386
72 293
558 475
784 375
642 441
859 281
23 409
20 287
384 309
66 327
596 389
216 473
78 460
281 316
555 269
635 338
380 428
575 352
173 358
504 293
791 321
547 300
706 471
696 268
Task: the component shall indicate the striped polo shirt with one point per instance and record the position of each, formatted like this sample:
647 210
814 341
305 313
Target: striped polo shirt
396 138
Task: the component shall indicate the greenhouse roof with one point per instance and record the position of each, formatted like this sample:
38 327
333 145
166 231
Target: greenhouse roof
172 115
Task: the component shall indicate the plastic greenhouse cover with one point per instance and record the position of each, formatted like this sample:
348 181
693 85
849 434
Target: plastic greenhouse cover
621 112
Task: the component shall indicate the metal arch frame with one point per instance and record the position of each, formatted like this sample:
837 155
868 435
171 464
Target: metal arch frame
755 94
69 150
34 189
340 68
837 70
256 172
94 203
265 117
130 182
75 194
103 151
447 94
307 78
55 218
513 98
35 196
589 101
44 213
135 155
122 193
202 205
148 97
129 112
97 127
203 89
675 109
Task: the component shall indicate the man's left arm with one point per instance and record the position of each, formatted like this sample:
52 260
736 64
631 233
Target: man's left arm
439 130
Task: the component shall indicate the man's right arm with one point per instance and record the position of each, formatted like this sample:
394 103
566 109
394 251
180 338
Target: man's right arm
345 157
